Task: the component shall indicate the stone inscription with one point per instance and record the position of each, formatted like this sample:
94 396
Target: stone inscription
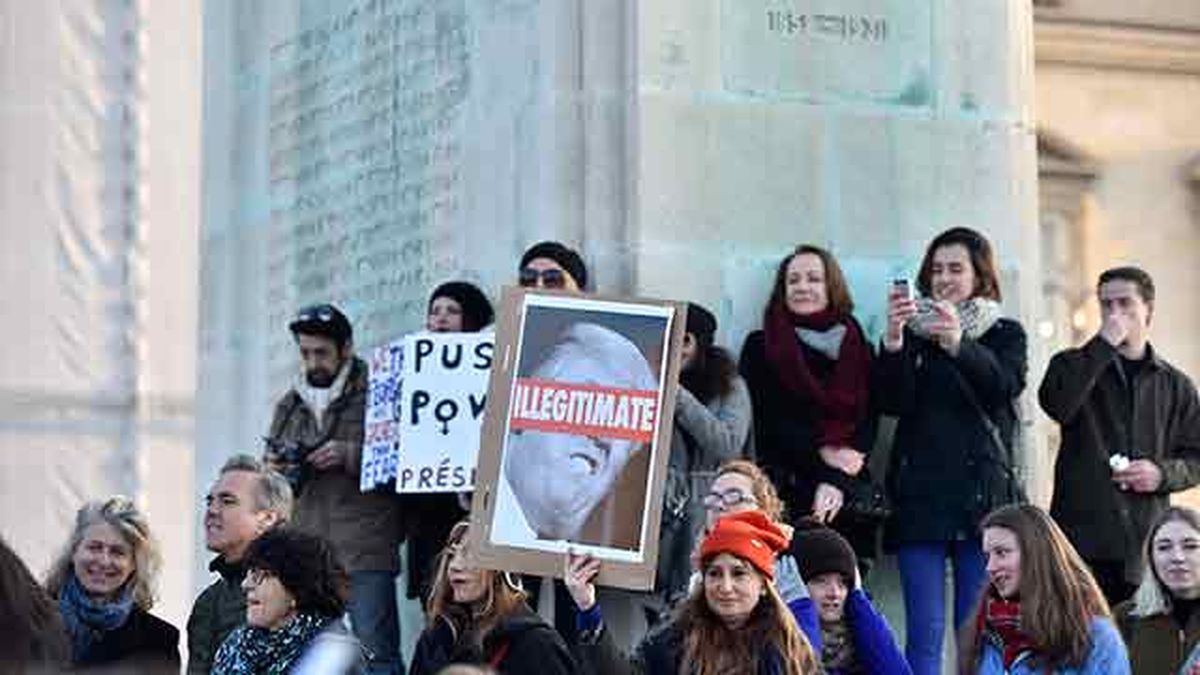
832 26
365 162
831 50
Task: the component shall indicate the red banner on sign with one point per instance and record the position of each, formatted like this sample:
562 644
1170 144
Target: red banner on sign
584 409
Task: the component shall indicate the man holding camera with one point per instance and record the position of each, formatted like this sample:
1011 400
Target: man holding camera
1130 433
316 441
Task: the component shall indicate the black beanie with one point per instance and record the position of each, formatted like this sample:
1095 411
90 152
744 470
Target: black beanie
701 323
566 258
821 550
476 309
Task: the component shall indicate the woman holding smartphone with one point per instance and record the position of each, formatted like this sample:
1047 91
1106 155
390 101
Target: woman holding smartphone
950 370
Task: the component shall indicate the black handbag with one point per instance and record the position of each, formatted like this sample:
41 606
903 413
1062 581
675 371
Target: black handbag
997 475
866 500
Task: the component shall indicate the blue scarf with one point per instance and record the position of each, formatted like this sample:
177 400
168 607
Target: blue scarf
87 620
258 651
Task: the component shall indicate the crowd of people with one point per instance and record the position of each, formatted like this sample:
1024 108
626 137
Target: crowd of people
770 517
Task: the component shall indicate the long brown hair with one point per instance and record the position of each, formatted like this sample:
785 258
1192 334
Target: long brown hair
711 648
761 485
1059 595
836 288
983 261
30 621
502 597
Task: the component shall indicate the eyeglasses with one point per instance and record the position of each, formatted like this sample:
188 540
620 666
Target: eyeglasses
720 501
322 313
551 278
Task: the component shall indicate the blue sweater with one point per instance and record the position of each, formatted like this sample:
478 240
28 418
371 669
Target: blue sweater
874 644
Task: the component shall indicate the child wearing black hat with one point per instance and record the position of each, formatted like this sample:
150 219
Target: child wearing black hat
855 638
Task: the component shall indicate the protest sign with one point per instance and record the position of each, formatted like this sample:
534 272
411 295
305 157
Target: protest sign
381 432
445 391
576 434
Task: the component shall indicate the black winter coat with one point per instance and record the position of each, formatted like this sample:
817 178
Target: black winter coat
943 458
786 427
523 643
659 654
1158 418
143 644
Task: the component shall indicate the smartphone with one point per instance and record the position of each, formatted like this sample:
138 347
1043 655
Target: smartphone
902 288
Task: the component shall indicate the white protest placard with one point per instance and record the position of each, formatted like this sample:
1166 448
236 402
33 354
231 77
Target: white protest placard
445 392
381 432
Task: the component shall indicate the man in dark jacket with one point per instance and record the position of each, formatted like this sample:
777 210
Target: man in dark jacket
316 440
1130 433
247 500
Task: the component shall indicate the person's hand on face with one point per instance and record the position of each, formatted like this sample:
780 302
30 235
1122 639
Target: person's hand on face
330 456
579 571
1114 329
1142 475
827 501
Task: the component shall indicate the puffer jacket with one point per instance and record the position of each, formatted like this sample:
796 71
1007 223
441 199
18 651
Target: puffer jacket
519 644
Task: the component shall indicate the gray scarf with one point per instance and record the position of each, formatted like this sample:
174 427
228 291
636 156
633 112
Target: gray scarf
827 342
976 316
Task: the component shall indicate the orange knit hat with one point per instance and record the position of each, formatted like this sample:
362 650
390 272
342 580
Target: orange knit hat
749 535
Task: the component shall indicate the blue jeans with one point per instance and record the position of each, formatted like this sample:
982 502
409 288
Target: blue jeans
376 620
923 580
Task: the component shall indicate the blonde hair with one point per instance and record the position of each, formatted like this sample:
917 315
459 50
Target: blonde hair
122 515
761 485
1152 595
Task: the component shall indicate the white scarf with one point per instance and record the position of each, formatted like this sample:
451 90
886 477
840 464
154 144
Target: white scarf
318 398
976 316
827 342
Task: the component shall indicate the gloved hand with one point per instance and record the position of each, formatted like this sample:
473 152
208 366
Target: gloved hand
788 581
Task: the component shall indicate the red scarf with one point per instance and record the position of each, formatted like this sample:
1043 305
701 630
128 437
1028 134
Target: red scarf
842 398
1001 620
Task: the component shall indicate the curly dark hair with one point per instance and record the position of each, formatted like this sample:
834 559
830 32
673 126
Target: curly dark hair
307 567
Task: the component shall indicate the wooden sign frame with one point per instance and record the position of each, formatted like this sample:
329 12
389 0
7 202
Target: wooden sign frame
532 325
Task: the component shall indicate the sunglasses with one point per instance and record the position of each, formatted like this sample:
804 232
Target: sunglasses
551 278
322 313
728 499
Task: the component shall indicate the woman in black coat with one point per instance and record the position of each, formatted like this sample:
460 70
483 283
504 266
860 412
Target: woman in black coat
103 582
481 617
808 371
951 370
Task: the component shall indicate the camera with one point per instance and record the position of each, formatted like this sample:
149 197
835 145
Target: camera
290 456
